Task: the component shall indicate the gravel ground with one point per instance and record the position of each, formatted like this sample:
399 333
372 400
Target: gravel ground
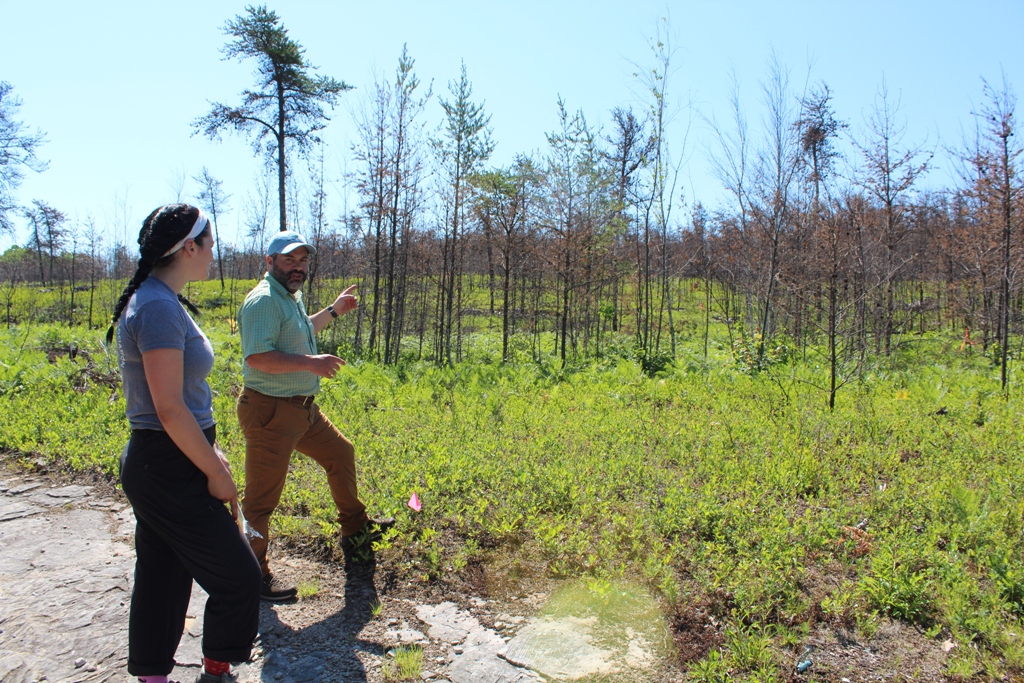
66 563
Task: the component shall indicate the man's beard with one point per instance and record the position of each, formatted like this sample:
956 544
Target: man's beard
292 284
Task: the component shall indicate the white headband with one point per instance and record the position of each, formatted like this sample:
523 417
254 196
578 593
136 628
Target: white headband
199 226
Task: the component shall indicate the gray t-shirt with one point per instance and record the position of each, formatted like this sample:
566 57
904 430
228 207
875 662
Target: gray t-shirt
155 319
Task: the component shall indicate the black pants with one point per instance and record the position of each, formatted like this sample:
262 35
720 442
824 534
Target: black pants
184 533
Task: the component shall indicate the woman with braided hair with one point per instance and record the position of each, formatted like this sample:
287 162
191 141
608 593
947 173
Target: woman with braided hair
173 474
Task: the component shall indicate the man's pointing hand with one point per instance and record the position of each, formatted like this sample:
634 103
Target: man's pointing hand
325 365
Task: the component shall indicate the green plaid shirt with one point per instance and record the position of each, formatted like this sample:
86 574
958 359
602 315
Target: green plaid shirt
271 319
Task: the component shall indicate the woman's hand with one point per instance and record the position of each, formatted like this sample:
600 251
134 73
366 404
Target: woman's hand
222 487
233 501
222 456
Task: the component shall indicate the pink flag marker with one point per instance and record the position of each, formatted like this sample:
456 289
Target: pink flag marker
414 502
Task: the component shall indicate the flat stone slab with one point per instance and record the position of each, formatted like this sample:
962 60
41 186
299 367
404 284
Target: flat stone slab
18 510
447 622
24 488
594 630
59 497
308 668
561 649
605 632
73 491
480 661
64 590
189 654
15 669
405 635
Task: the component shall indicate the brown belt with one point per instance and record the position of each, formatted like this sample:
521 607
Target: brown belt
304 401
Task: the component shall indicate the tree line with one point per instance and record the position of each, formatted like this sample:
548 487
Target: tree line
828 243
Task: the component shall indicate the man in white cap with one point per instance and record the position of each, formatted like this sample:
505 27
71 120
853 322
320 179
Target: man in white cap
281 370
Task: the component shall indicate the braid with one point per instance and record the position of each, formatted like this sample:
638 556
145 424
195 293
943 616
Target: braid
188 304
141 273
160 231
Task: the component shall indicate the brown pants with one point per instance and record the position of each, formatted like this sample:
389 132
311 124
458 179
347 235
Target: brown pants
273 428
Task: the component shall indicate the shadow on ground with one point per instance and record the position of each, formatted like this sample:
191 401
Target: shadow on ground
333 645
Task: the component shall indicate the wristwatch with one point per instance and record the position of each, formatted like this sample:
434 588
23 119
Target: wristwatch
330 309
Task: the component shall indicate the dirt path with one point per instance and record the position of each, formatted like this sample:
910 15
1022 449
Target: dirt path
64 584
66 563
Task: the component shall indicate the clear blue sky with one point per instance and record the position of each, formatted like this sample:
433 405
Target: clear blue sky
115 85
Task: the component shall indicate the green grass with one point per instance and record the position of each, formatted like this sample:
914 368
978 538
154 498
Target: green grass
707 482
308 589
406 666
